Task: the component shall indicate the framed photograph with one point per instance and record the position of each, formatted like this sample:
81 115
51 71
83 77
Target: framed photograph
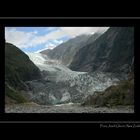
79 70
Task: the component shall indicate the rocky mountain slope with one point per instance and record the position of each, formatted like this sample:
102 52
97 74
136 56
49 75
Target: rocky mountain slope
65 52
99 64
18 69
120 94
111 52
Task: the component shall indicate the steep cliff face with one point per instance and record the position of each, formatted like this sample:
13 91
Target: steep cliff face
66 51
18 69
111 52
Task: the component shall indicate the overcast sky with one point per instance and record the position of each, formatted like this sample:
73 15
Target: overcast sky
34 39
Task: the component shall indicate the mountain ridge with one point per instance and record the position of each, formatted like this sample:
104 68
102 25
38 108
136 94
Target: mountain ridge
18 69
98 64
66 51
111 52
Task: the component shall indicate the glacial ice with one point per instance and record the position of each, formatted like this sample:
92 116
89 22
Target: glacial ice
67 85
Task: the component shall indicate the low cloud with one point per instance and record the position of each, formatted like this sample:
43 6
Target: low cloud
19 38
75 31
24 39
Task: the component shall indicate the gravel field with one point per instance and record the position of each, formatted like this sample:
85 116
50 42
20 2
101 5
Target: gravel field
65 108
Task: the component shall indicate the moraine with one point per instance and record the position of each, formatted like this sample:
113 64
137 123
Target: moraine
66 108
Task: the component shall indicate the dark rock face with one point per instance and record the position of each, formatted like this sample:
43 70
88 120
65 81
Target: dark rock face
66 51
111 52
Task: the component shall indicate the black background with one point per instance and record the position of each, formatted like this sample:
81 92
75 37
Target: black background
76 21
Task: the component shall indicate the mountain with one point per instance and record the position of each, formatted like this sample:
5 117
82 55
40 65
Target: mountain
66 51
100 64
61 85
18 69
113 52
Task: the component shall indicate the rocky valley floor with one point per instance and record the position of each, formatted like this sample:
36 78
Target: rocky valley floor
65 108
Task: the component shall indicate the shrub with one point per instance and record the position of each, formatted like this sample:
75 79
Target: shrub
14 95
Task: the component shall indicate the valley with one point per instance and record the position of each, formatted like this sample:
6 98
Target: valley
61 85
86 74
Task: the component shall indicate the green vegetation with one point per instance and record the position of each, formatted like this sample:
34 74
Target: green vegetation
14 95
18 69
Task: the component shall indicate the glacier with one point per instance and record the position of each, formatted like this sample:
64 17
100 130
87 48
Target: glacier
61 85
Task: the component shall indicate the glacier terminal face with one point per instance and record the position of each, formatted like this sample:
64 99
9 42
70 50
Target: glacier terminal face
62 85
